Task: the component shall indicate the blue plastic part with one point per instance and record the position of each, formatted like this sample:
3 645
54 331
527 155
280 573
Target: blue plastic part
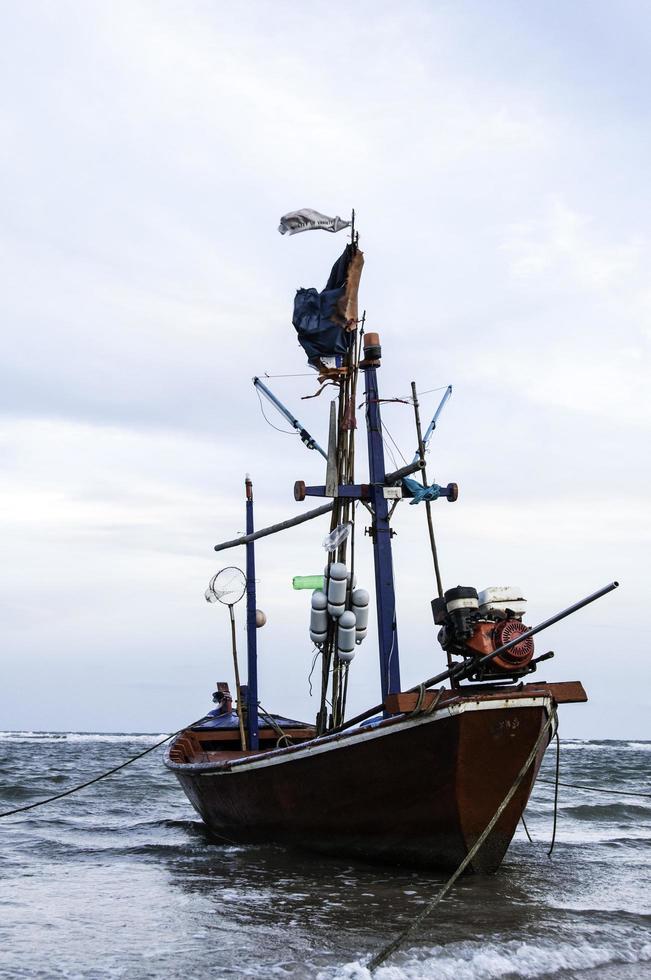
418 492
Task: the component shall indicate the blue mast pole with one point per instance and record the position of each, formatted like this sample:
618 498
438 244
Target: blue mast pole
381 530
251 629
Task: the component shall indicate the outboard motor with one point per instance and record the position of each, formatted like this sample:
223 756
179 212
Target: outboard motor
474 624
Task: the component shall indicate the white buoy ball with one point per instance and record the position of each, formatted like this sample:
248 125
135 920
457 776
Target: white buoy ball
260 618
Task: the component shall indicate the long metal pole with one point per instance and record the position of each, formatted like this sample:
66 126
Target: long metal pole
251 627
428 505
274 528
433 423
309 440
384 588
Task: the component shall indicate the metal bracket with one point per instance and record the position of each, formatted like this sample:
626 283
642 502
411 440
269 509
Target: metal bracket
373 530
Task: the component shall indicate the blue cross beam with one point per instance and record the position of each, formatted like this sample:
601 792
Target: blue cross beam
362 491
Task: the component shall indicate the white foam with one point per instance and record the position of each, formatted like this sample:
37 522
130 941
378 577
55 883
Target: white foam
585 834
80 737
490 961
628 746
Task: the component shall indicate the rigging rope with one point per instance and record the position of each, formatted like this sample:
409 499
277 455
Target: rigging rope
595 789
526 829
390 452
394 443
306 374
314 660
428 391
287 432
396 943
558 769
282 736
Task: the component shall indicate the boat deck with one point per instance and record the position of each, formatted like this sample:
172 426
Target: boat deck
225 746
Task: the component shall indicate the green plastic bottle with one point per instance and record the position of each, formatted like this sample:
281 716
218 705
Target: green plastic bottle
308 582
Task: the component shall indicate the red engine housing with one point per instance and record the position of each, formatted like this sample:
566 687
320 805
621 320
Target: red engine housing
489 636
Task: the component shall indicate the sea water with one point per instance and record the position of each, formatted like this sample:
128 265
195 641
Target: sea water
122 880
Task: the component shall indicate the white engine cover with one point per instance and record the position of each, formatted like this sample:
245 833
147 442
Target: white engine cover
499 598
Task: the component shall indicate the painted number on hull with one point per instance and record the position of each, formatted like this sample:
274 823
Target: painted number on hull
507 726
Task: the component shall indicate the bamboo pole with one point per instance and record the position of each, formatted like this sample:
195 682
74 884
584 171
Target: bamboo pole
238 688
274 528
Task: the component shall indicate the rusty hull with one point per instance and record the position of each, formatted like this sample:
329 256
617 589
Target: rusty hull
414 789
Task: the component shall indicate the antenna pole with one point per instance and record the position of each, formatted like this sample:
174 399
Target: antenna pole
251 627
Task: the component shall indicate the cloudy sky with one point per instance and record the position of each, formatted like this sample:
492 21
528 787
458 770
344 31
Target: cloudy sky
498 158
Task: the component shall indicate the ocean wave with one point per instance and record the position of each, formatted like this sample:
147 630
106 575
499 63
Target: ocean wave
607 811
583 834
490 961
604 745
139 737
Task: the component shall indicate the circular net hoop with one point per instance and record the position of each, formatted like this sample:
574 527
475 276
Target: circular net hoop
227 586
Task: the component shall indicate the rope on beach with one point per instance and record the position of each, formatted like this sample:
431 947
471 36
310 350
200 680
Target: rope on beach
399 941
96 779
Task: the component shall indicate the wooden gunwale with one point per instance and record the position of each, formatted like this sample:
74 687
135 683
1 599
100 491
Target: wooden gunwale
451 703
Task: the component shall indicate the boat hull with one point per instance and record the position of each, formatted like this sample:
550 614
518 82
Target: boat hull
417 791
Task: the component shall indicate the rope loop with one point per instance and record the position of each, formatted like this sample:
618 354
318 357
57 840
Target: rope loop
435 703
431 708
419 702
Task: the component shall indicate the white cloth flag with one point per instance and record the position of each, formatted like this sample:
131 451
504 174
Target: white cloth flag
308 220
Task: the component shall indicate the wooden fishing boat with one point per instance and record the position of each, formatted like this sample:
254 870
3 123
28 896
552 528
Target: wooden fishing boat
417 778
416 788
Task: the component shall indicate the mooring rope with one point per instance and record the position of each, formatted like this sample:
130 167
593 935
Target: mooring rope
395 944
526 829
96 779
282 736
595 789
557 774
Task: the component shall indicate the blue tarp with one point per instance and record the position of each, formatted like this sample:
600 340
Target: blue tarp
319 325
215 721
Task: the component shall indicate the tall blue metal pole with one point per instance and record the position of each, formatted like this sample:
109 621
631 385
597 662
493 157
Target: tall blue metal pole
251 634
384 588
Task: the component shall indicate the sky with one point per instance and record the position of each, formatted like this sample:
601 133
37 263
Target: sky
497 156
